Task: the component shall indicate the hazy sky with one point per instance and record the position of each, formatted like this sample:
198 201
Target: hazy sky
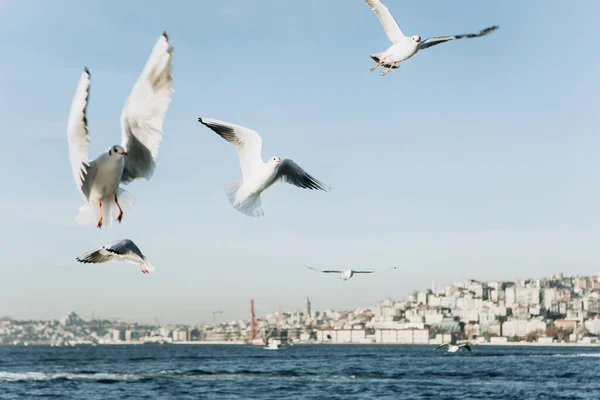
476 159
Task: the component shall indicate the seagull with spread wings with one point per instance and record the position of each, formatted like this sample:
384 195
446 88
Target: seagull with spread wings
141 132
404 47
454 348
345 274
257 175
120 251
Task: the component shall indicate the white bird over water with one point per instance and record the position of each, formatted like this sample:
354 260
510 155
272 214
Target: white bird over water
404 47
453 348
347 273
257 175
141 133
120 251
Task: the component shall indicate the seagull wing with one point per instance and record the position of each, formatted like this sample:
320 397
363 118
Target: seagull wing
327 271
466 346
441 39
377 270
390 25
77 134
123 248
247 142
97 256
144 112
290 172
442 345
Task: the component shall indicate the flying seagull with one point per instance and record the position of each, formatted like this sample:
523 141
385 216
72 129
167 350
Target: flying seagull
141 132
122 250
257 175
404 47
345 274
453 348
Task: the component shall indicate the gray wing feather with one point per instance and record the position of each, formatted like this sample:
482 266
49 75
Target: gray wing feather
442 39
327 271
290 172
96 257
111 252
139 162
123 247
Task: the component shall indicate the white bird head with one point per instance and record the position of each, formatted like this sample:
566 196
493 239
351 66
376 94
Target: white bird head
347 274
274 160
117 150
416 39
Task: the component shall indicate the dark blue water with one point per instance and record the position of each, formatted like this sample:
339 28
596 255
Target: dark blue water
298 372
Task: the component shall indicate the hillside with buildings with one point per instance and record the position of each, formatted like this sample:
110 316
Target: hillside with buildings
544 310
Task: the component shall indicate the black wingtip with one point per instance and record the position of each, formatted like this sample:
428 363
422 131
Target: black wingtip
200 120
86 70
165 35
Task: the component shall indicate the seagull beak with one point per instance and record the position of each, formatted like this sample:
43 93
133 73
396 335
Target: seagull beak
123 153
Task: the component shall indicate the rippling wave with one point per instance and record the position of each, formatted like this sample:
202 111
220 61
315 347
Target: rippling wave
316 372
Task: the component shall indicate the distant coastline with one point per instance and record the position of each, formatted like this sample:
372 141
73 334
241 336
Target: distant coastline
516 344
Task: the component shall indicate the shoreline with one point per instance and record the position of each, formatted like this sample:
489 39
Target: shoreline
238 343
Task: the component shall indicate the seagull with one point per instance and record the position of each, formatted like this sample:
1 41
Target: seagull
453 348
141 133
345 274
122 250
257 175
404 47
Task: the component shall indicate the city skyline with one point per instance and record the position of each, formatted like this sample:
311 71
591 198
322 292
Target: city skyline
485 167
553 309
265 307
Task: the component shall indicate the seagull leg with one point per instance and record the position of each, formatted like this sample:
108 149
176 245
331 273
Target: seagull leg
144 270
100 207
375 66
120 217
387 70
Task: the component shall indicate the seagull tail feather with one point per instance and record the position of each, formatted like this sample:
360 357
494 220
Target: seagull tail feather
88 215
126 201
110 210
252 206
151 268
231 189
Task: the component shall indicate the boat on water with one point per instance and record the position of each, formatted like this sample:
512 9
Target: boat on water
273 344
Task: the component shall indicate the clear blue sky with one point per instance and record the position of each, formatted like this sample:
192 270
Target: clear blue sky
476 159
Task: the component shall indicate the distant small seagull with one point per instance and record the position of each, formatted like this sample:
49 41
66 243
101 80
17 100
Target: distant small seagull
120 251
404 47
141 133
257 176
345 274
453 348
